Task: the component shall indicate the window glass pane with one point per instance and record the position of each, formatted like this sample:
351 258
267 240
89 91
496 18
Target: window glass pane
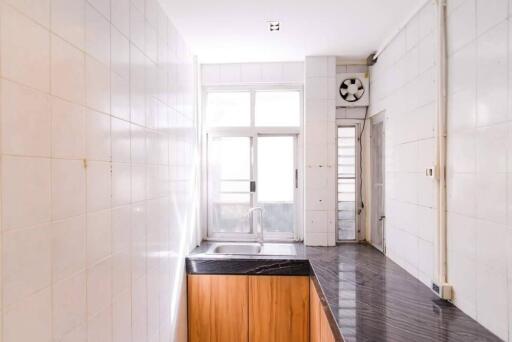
229 217
275 169
228 109
231 157
347 183
276 183
277 108
229 174
234 186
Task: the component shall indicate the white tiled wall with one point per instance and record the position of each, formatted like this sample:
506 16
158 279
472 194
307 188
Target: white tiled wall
480 162
403 84
97 171
252 73
320 151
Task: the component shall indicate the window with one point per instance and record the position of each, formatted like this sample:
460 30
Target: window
277 108
251 149
347 183
228 109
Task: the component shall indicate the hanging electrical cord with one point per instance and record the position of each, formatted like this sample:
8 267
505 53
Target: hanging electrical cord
361 161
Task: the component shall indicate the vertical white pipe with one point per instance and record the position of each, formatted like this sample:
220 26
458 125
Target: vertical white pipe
441 142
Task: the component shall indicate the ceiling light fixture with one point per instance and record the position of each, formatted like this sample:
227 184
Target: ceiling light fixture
273 25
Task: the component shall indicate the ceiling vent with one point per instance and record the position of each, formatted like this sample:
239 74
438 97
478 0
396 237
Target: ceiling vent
352 90
273 25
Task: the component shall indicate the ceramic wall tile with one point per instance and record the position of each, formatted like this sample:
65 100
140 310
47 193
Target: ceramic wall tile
77 77
405 85
25 50
26 121
68 21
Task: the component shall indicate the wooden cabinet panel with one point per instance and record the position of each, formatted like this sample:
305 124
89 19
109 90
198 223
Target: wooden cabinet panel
314 313
217 308
325 329
278 309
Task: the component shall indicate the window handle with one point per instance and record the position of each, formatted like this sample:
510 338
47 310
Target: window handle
252 186
296 178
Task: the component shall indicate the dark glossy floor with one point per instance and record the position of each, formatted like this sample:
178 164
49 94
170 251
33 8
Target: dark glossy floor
374 299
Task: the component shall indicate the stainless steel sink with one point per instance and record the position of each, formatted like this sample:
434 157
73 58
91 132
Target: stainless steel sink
253 249
237 249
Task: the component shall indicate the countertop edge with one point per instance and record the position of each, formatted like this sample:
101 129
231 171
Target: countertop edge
276 267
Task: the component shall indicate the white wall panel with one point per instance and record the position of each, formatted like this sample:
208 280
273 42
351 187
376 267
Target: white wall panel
98 169
403 85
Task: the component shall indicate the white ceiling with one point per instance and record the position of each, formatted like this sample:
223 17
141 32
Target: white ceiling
231 31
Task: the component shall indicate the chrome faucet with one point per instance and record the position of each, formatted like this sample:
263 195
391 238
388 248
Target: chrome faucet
259 233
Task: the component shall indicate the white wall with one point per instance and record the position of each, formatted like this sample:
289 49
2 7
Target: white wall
403 85
252 73
479 161
97 171
320 151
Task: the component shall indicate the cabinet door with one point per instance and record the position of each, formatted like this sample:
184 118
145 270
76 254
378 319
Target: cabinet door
217 308
320 330
278 309
325 329
314 312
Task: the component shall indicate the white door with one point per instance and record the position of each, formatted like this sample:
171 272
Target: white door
377 172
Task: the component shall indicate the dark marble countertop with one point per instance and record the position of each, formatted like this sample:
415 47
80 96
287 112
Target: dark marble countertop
367 297
199 262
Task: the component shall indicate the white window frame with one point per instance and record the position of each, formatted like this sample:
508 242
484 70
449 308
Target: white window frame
357 124
253 132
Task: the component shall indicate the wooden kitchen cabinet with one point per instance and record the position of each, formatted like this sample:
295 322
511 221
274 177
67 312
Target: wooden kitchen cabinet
278 309
320 330
218 308
229 308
